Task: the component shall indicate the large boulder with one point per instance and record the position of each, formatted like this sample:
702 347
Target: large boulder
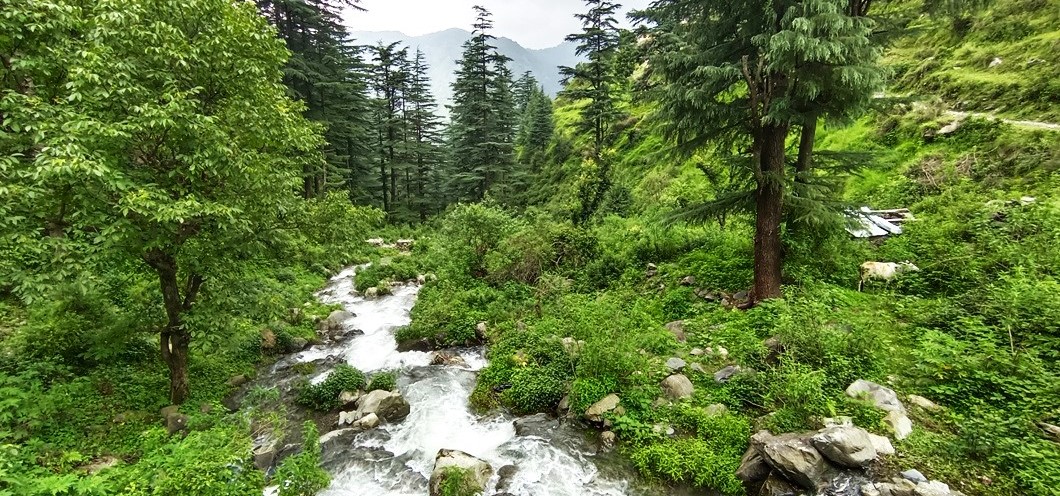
846 446
777 486
794 457
595 413
386 405
753 468
899 424
677 387
881 397
474 473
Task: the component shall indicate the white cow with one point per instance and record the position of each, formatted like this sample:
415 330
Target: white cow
885 271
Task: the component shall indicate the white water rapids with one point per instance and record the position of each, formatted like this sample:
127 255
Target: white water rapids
397 459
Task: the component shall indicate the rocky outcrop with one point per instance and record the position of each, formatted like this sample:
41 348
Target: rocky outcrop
885 399
794 457
474 473
677 387
387 405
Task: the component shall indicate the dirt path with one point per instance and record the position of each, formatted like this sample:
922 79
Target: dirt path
1049 126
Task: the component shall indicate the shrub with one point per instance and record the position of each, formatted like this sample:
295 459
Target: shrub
689 461
535 389
382 381
325 395
301 475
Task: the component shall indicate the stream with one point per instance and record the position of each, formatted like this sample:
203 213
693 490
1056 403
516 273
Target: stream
397 459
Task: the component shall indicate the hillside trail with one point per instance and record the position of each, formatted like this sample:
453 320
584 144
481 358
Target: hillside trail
1049 126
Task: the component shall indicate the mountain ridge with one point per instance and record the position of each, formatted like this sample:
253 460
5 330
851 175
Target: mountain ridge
442 50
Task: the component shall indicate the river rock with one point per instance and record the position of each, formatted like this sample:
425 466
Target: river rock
535 425
595 413
297 344
914 475
677 387
725 375
932 488
563 407
881 397
899 424
348 399
335 320
371 293
675 364
447 358
387 405
608 439
477 472
794 457
846 446
924 403
505 476
370 421
338 438
775 485
753 467
882 445
348 418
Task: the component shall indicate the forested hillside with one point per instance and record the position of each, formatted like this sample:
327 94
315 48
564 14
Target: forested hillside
660 260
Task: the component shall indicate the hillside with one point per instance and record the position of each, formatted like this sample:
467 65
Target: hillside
443 50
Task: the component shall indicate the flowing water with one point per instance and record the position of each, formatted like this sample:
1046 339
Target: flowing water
397 459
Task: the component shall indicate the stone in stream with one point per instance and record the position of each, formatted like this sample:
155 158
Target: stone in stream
475 473
608 440
776 485
447 358
505 476
387 405
535 425
335 321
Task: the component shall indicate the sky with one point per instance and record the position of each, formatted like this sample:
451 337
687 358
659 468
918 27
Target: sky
532 23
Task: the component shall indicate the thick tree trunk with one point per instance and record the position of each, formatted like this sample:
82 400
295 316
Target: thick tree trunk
769 206
174 338
807 140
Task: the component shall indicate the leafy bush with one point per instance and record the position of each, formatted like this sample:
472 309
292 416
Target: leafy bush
536 389
301 475
689 461
382 381
325 395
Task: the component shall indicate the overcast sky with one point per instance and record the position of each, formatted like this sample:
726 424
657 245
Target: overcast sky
532 23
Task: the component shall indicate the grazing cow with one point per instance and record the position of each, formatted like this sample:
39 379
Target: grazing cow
885 271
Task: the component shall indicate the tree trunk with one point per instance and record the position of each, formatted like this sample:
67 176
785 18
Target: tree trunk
174 337
769 206
808 139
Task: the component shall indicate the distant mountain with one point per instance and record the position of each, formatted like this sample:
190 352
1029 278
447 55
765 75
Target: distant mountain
443 49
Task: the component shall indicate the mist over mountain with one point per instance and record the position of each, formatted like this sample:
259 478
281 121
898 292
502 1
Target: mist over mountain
444 48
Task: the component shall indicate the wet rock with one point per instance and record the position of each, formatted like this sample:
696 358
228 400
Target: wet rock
264 449
422 344
879 396
675 364
371 293
924 403
335 321
338 438
447 358
899 424
608 440
535 425
563 407
369 421
753 468
387 405
677 328
794 457
846 446
505 476
677 387
776 485
297 344
595 413
913 475
476 472
726 374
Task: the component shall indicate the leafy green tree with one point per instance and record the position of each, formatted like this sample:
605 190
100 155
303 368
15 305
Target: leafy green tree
481 131
595 81
389 79
739 75
182 157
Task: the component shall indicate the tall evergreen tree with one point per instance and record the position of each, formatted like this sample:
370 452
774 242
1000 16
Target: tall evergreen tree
523 90
424 140
481 131
739 75
595 81
389 81
325 72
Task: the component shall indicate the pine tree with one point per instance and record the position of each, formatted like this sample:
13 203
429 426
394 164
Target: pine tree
389 81
739 75
523 90
535 130
595 80
481 132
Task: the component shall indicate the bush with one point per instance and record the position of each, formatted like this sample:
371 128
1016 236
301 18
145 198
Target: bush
301 475
536 389
325 395
382 381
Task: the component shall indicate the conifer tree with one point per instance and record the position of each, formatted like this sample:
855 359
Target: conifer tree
482 121
424 140
389 81
595 80
739 75
523 90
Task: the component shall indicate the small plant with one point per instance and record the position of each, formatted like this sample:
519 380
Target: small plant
457 482
301 475
382 381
